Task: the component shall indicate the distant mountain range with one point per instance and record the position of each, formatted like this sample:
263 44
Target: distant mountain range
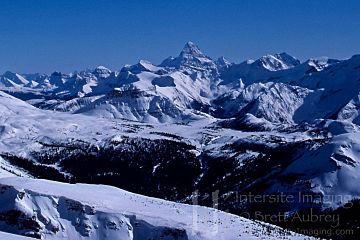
189 125
276 88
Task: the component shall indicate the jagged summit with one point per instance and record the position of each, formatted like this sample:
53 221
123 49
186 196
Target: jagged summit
190 57
191 48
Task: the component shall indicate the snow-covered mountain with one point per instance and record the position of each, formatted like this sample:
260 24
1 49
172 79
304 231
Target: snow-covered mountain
186 87
261 126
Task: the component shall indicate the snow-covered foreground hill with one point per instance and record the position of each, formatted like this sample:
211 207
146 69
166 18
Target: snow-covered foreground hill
9 236
52 210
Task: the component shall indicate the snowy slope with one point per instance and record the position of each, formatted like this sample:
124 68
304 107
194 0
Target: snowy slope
333 168
351 111
8 170
275 102
9 236
63 211
24 126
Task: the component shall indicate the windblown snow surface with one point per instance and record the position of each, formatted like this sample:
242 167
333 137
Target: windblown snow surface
62 211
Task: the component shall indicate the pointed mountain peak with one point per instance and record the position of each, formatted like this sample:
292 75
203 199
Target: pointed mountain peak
191 48
190 56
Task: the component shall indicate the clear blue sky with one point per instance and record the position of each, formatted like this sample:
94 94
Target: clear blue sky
67 35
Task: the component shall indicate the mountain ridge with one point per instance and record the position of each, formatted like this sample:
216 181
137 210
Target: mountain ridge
190 82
